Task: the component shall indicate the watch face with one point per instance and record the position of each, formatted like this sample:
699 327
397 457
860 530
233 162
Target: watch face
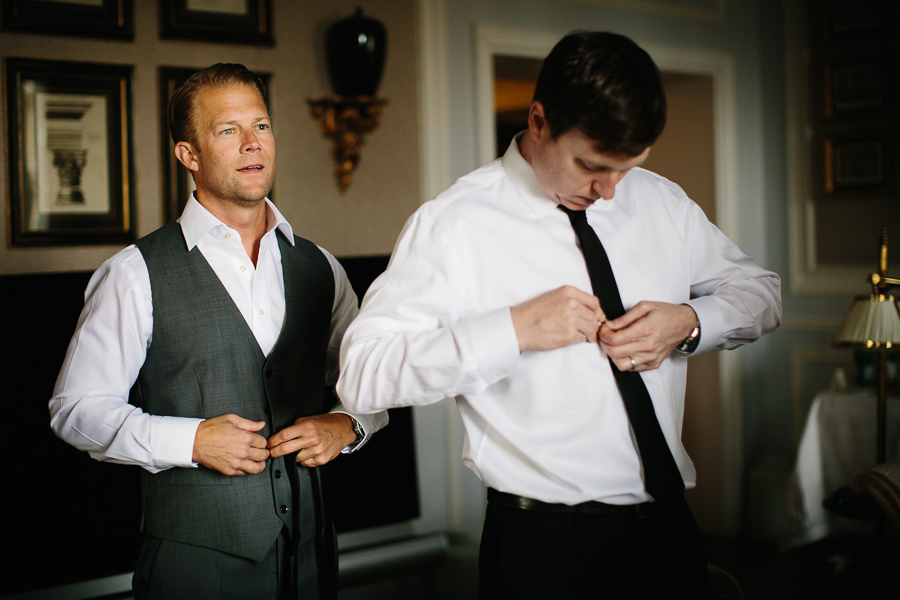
690 343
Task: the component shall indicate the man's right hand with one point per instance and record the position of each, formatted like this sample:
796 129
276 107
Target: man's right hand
229 444
556 319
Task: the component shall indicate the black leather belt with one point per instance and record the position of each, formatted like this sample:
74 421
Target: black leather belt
585 508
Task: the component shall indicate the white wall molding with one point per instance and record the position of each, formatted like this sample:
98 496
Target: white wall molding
714 10
807 276
434 124
492 41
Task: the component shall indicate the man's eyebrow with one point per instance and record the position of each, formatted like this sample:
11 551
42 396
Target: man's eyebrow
237 121
589 164
593 166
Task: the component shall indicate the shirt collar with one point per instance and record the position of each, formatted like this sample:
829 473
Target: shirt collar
522 177
196 222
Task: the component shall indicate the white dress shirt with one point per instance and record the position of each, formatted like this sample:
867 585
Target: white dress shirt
545 425
90 408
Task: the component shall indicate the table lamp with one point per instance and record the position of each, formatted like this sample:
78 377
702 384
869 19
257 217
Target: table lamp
873 322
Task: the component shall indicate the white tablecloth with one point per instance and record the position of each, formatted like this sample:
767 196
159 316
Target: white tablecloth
838 443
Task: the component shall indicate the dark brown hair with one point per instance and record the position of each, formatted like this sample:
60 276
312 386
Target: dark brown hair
606 86
182 120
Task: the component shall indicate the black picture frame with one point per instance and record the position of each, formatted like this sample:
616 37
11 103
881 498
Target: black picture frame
249 23
856 17
110 19
177 183
857 165
856 87
71 169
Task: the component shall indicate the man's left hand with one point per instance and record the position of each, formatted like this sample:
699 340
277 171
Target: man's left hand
644 336
316 440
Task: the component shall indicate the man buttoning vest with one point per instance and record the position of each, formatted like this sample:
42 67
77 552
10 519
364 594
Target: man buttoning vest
203 354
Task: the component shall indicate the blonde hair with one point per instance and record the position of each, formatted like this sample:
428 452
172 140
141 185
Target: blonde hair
182 106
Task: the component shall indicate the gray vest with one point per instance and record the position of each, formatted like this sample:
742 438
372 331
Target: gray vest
203 361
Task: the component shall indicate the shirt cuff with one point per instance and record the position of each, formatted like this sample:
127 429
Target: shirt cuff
173 441
711 325
491 340
369 423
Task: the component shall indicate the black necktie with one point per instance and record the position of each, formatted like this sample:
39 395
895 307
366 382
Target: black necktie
661 476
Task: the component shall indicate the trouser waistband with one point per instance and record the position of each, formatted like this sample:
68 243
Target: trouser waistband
585 508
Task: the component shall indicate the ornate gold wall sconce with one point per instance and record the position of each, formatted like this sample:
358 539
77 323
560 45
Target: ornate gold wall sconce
356 48
345 121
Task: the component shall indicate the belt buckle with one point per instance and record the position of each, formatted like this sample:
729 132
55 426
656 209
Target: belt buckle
643 510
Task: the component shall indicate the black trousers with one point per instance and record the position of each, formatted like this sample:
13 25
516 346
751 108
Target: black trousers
534 554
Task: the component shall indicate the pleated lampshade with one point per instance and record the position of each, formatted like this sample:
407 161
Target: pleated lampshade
872 322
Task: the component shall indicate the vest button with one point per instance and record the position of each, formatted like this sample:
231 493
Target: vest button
269 372
283 508
278 474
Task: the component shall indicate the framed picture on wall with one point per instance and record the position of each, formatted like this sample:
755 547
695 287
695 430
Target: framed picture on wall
70 153
86 18
856 17
177 181
232 21
856 165
855 87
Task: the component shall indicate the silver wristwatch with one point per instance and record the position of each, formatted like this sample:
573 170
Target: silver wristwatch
690 342
358 430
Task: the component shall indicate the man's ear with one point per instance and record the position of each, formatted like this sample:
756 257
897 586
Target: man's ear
537 123
184 152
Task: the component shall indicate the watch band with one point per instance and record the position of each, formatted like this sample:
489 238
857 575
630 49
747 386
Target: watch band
358 430
690 343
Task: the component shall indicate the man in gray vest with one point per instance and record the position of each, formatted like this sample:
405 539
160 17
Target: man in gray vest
203 354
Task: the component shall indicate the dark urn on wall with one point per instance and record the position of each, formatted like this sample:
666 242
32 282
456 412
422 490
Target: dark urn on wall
356 48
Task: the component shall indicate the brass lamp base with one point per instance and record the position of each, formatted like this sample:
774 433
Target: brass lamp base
873 322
